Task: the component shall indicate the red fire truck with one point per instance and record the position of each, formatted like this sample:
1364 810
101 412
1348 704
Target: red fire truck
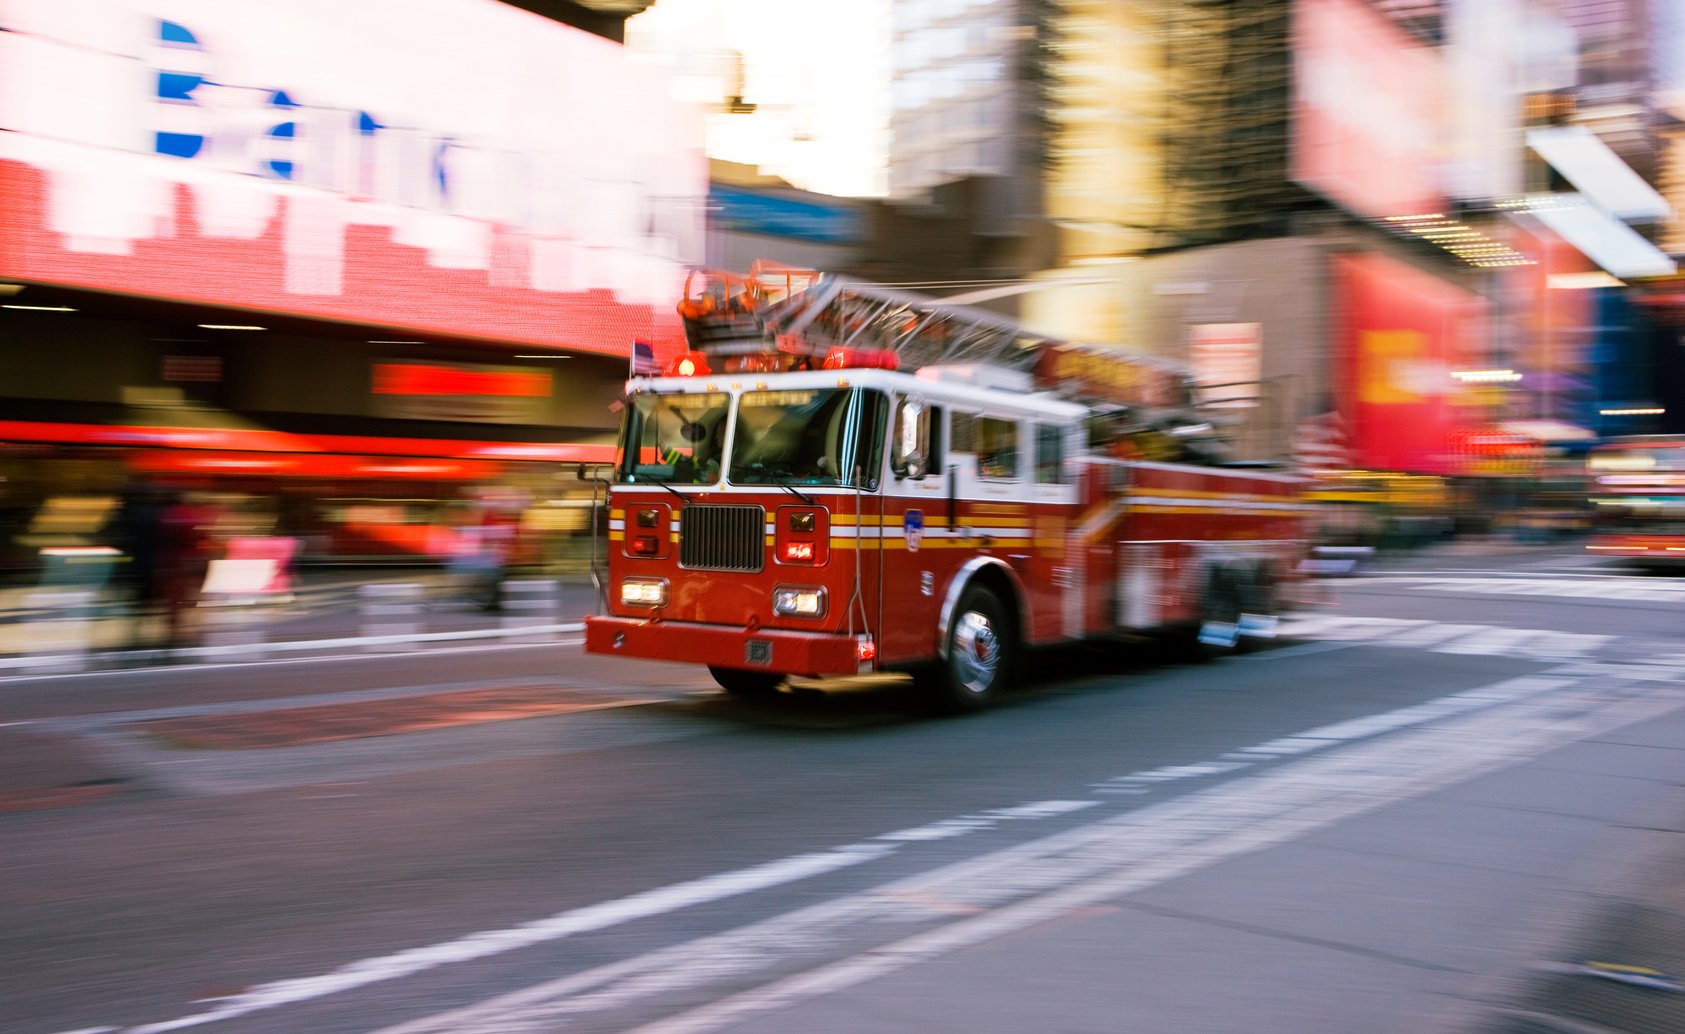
841 478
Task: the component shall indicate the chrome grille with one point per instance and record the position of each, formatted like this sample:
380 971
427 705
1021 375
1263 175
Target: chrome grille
722 538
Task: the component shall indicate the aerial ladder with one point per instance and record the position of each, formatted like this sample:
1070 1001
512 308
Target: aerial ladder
809 318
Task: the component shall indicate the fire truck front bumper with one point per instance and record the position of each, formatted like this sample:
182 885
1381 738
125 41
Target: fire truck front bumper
729 646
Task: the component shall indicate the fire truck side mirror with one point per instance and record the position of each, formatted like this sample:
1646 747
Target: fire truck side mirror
910 454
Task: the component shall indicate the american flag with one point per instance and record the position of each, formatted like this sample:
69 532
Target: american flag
1320 444
643 359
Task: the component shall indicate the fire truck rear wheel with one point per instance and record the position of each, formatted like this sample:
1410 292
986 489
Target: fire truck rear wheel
1260 599
1216 634
744 682
981 650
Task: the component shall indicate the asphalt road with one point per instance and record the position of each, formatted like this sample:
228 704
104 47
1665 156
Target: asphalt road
1374 824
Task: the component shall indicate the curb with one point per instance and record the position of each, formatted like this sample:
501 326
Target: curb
49 665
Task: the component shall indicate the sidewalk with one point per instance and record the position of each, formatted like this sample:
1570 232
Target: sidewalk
45 632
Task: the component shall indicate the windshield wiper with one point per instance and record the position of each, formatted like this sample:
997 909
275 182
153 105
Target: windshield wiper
633 480
673 490
760 468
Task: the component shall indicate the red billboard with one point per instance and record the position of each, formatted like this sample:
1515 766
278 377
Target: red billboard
1367 111
1400 333
447 167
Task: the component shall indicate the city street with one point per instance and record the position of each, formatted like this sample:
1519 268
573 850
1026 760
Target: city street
1413 811
688 516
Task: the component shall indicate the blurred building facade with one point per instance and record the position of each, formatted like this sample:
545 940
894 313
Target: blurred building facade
968 101
337 263
1431 224
1350 203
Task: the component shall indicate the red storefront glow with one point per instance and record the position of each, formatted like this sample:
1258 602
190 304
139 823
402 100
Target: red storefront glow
431 379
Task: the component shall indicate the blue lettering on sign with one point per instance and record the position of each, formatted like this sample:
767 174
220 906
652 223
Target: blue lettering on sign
441 179
263 131
282 168
176 88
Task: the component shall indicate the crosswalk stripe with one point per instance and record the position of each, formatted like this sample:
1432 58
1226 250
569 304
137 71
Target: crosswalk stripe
1580 588
1447 637
1567 646
1489 641
1334 626
1433 635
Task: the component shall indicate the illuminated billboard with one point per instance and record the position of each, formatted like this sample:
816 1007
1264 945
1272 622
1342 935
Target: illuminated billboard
1367 119
1401 335
454 167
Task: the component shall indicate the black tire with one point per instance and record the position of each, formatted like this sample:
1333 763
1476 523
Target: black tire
1220 606
982 649
1260 597
742 682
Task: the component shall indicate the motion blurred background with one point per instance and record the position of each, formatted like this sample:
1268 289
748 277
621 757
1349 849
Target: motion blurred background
343 285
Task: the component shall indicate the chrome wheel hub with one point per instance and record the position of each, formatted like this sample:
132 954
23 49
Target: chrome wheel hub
976 654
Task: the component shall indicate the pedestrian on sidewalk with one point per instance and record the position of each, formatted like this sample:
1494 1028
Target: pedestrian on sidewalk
483 547
137 532
186 544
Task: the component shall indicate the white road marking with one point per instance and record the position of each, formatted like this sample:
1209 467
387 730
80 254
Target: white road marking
1447 637
1363 629
1433 635
1293 651
1562 646
1324 626
678 896
1589 586
494 942
1001 880
1332 735
964 824
599 916
1018 887
1489 642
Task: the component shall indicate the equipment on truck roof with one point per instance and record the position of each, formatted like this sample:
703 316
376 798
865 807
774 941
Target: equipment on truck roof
778 318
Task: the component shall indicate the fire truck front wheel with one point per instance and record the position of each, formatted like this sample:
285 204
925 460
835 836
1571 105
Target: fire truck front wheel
743 682
981 650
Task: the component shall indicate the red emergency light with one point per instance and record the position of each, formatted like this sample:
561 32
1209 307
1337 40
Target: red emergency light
688 364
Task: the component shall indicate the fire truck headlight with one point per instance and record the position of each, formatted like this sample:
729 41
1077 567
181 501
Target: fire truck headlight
799 602
644 592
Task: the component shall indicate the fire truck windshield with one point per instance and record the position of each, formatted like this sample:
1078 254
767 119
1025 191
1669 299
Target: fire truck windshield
808 437
673 439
